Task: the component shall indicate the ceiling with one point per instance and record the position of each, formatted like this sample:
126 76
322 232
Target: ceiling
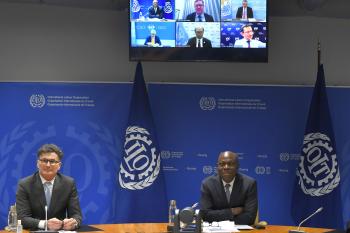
317 8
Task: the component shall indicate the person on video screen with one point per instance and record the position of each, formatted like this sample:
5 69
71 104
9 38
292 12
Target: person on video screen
155 11
199 41
199 15
244 12
153 40
247 41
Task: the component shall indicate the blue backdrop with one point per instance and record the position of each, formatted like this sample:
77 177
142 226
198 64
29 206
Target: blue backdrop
264 124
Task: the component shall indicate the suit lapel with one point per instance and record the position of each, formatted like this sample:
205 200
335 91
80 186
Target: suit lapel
38 190
236 189
220 189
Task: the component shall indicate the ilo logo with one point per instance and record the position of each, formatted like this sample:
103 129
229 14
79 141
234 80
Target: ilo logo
37 101
208 170
207 103
284 157
165 154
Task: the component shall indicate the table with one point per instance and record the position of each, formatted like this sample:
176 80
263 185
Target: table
161 228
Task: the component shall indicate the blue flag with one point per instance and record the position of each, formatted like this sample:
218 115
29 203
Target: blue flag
142 195
318 176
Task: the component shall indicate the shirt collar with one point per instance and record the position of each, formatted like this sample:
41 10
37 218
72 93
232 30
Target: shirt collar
231 183
43 181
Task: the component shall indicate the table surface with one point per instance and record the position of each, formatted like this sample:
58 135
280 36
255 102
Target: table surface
162 228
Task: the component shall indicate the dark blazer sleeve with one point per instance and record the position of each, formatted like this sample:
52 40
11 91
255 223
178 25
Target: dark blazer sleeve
208 18
191 17
192 42
207 43
250 12
239 12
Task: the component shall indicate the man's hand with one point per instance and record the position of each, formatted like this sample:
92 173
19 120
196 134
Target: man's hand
54 224
237 210
69 224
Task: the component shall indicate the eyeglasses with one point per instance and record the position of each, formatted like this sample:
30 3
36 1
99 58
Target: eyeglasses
50 161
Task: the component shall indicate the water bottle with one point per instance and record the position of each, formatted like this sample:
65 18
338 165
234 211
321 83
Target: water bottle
172 208
140 15
19 227
12 219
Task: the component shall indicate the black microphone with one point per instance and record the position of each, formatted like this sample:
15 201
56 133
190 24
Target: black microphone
298 230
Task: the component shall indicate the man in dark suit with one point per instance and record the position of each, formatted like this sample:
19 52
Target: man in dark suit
244 12
48 188
229 195
199 41
155 11
199 15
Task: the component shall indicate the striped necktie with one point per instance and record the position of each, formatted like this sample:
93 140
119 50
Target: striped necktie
48 192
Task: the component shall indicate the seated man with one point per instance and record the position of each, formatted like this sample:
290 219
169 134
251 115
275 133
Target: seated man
199 41
199 15
155 11
244 12
48 188
153 40
247 41
229 195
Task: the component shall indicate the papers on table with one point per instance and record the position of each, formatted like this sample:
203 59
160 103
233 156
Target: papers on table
223 227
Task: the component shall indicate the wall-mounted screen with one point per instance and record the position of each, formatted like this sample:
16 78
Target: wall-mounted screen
199 30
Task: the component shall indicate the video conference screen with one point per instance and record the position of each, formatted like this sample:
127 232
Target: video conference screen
198 30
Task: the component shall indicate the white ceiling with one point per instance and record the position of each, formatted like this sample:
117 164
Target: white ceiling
318 8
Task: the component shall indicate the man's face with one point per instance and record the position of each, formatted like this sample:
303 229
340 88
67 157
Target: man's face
155 3
199 7
199 32
48 165
227 166
245 4
247 33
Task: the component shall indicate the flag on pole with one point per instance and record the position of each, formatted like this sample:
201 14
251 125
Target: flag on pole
318 177
141 194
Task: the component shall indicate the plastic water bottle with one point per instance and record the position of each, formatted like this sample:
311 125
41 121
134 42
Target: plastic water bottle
19 227
12 218
172 208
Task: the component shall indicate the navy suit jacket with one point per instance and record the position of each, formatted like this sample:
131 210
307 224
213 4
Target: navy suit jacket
30 200
192 42
152 14
214 204
240 12
192 17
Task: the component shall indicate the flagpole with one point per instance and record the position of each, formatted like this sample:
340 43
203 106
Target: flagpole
318 54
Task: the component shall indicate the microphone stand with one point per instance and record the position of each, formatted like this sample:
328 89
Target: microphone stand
298 230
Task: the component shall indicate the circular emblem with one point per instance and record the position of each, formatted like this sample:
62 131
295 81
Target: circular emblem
207 103
284 157
318 170
167 7
141 164
165 154
207 170
37 101
135 6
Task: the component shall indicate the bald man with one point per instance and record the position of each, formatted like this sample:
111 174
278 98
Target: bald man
229 195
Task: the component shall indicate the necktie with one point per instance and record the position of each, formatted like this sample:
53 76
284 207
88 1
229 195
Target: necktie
244 13
200 18
227 191
48 190
248 42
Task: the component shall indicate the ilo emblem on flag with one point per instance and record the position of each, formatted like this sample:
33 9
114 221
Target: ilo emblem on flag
135 6
207 103
167 7
318 170
141 164
37 101
226 8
